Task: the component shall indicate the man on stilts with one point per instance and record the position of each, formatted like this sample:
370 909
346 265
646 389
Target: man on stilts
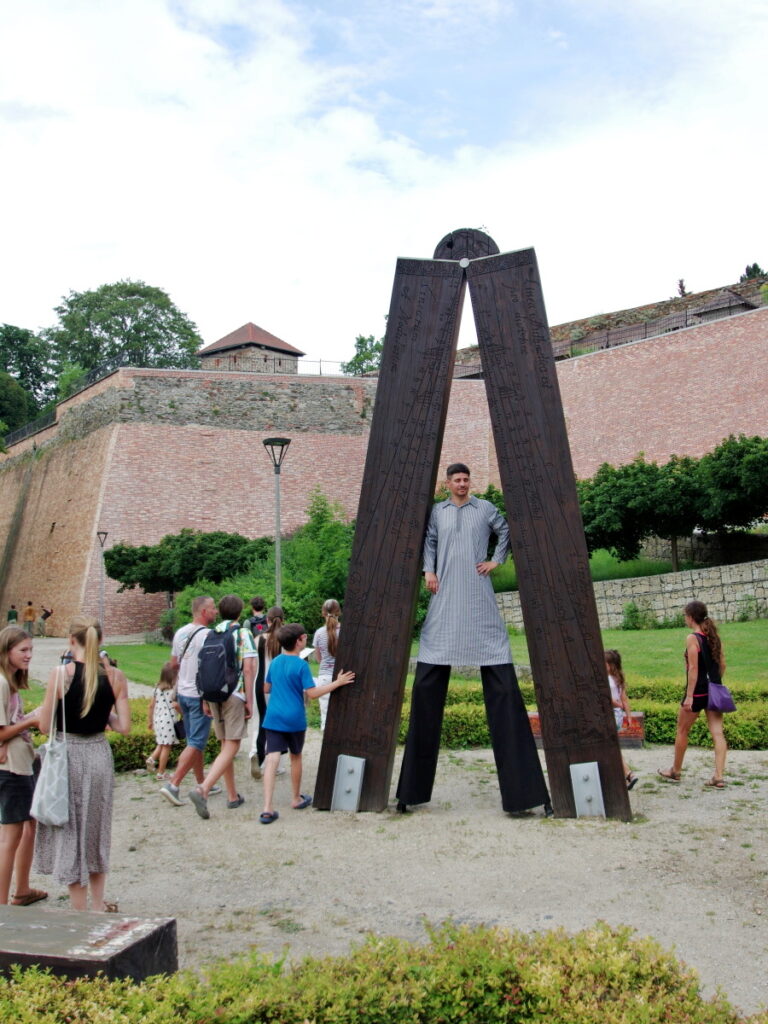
464 627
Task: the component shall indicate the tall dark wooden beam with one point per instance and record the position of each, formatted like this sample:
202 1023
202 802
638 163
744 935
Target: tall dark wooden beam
547 535
395 501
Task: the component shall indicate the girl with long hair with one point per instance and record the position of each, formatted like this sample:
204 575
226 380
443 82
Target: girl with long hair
17 759
77 853
704 660
267 647
620 702
325 643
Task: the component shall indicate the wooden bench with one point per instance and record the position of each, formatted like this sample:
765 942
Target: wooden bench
632 734
81 944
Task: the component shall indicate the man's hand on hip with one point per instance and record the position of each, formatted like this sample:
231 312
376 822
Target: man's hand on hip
484 568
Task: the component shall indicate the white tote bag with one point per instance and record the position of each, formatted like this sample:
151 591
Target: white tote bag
50 804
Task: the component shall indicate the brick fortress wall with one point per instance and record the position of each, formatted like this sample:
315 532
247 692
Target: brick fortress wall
144 453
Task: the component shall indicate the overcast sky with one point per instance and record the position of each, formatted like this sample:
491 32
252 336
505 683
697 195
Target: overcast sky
269 160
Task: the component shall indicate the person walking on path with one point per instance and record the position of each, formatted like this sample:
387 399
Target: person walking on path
162 715
77 853
620 703
464 627
187 642
230 718
704 661
17 779
267 648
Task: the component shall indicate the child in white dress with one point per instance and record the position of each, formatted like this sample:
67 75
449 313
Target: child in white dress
163 710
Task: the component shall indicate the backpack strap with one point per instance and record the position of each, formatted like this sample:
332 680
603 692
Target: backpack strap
189 641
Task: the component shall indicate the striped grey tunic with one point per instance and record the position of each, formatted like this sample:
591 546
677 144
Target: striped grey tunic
463 624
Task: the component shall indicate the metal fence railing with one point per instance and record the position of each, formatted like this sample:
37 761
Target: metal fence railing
595 341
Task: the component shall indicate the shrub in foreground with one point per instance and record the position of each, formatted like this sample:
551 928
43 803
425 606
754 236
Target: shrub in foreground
482 976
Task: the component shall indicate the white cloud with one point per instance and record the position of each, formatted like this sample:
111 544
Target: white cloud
217 150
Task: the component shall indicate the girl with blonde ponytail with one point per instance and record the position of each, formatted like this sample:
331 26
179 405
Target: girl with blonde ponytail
77 853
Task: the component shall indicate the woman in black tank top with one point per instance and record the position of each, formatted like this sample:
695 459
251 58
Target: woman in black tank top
77 853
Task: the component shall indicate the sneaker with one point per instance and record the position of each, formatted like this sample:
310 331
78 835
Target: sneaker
255 767
214 790
232 804
171 794
200 802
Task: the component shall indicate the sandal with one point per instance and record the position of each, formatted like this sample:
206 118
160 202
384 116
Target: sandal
151 764
715 783
670 776
28 898
111 907
631 780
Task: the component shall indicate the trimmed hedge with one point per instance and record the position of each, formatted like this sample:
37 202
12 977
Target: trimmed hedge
477 976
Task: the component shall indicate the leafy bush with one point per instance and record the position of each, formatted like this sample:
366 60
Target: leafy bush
315 562
482 975
642 616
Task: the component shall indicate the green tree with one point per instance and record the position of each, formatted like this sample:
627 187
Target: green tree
367 357
127 323
735 481
750 271
181 559
315 563
616 507
70 376
676 503
27 358
16 405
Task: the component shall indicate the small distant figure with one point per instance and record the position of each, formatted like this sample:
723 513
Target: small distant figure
289 680
45 614
704 661
163 709
325 642
28 617
13 615
620 702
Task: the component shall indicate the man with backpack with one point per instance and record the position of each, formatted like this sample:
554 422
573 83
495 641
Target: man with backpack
225 675
187 642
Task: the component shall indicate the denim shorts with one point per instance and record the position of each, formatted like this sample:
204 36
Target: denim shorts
16 793
197 724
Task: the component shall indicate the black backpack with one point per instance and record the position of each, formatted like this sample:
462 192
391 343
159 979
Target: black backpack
217 667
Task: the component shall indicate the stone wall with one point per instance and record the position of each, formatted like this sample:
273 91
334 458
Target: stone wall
728 591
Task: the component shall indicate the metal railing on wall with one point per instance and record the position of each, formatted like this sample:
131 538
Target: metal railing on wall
595 341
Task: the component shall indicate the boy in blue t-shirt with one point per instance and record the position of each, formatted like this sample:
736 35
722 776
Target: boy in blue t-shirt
288 680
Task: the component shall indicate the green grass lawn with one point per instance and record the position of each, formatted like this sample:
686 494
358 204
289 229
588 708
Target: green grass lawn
657 654
602 566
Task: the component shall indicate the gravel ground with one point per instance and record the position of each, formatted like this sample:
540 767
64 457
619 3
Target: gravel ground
689 870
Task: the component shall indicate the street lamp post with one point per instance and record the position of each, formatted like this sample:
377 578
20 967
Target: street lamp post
102 535
276 449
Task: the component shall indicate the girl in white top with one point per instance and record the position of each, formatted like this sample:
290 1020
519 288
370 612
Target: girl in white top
619 700
17 781
325 642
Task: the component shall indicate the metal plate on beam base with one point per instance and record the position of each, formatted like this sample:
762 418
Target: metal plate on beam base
77 944
587 791
348 783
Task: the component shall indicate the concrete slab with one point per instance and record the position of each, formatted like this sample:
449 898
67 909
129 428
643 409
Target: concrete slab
80 944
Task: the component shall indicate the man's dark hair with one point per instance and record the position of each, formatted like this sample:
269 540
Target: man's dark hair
289 635
457 467
230 606
258 604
